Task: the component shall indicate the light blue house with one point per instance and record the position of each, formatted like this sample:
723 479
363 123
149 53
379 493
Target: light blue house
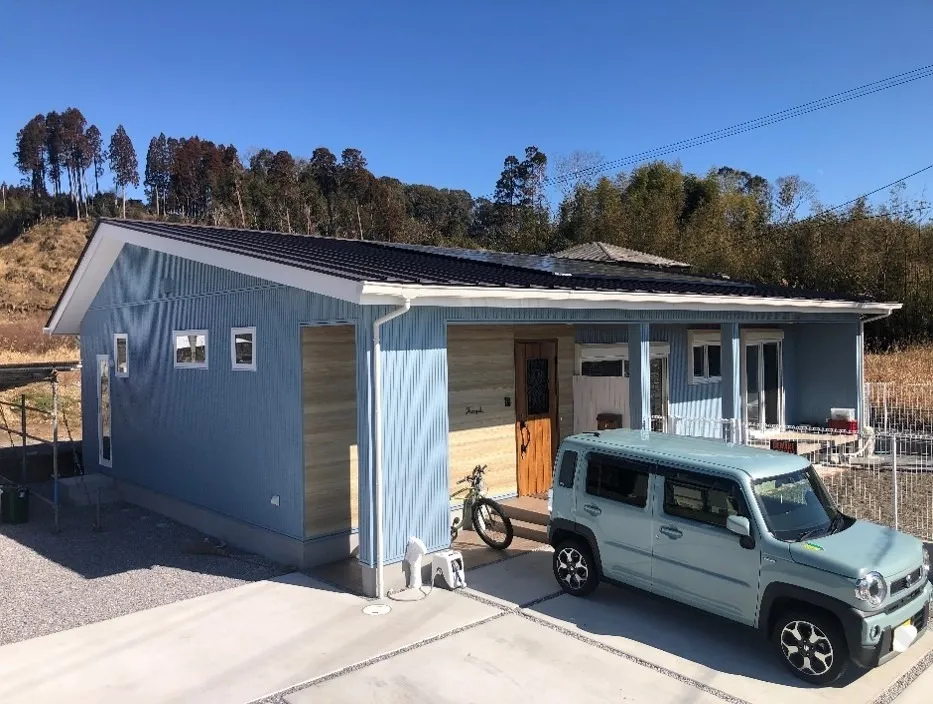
269 388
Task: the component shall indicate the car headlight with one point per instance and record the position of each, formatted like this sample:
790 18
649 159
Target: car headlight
872 588
926 565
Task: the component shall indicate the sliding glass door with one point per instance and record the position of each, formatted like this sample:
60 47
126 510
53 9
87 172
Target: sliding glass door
763 382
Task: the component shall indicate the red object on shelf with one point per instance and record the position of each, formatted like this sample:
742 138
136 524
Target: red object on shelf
850 426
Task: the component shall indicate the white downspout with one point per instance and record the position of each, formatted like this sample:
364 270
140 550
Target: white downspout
377 436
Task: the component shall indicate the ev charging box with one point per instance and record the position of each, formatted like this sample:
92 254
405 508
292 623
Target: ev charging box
450 565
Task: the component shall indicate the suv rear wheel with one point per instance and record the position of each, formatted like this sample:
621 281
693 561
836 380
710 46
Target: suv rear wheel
575 568
811 645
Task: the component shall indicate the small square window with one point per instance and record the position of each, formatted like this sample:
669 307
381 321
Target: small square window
190 349
243 349
121 355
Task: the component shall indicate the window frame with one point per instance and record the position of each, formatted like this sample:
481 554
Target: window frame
116 354
563 469
688 477
192 364
634 465
704 339
239 366
104 461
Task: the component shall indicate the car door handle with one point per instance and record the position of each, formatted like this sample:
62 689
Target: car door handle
592 510
672 532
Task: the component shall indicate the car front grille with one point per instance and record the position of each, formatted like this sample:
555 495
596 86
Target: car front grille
906 581
919 620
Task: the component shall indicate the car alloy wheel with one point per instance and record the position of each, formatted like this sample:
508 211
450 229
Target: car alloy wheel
807 648
572 568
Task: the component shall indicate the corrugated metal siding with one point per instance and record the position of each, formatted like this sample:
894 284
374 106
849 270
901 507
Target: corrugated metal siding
230 440
827 369
415 432
224 440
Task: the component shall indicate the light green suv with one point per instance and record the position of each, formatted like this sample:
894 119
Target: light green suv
745 533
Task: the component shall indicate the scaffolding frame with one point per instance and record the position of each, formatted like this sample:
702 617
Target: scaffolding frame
12 376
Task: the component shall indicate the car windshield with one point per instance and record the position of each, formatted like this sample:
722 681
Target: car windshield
796 506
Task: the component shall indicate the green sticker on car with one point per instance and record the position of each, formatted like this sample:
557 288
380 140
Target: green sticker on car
812 546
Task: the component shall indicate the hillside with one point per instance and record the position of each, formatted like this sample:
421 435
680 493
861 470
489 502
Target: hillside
35 267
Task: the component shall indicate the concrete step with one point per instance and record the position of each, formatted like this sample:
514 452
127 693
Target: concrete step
530 511
529 531
84 490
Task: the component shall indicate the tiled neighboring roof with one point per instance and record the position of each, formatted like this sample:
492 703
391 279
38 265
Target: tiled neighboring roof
379 262
602 252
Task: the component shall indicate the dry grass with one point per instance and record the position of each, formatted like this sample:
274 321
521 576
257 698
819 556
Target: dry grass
911 365
35 266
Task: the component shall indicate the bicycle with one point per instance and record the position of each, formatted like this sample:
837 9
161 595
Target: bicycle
486 516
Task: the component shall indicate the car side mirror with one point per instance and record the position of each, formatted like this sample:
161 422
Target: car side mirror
739 525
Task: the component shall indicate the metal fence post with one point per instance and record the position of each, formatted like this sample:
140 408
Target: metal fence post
894 477
884 395
22 422
55 446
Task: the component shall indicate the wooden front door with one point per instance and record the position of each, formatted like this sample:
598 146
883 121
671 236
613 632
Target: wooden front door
536 430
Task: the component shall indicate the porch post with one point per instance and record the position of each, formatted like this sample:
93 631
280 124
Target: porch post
731 363
860 376
639 383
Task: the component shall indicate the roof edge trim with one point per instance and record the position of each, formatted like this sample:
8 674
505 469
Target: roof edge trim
98 258
375 293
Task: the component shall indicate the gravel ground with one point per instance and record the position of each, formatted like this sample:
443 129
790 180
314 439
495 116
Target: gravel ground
51 582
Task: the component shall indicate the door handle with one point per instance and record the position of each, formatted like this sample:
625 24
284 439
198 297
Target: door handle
592 510
672 532
523 428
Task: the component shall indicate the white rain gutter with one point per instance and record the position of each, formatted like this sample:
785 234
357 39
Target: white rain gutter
873 318
377 437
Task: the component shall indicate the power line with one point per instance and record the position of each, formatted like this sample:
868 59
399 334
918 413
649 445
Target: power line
762 235
749 125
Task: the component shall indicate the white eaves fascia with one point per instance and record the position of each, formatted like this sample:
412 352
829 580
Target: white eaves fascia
463 296
109 238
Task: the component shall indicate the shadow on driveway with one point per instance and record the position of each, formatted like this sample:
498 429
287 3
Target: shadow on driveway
627 618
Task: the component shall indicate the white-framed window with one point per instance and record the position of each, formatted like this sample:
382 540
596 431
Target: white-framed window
243 349
190 349
121 355
612 360
705 349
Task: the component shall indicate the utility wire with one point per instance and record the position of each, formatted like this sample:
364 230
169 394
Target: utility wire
749 125
824 211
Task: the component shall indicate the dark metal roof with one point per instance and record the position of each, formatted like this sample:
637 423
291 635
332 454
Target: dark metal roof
603 252
381 262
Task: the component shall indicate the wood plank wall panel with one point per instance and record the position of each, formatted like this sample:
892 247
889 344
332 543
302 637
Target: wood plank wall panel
481 373
328 367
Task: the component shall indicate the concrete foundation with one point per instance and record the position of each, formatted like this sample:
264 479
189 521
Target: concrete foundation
284 549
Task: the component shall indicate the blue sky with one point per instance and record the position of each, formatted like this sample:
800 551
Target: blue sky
441 92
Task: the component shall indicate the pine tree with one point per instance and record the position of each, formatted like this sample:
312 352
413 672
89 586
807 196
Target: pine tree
95 146
123 163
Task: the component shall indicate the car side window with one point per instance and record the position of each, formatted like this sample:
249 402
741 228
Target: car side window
702 498
617 479
568 468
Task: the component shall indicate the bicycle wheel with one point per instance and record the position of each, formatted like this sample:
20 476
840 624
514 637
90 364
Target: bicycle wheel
491 523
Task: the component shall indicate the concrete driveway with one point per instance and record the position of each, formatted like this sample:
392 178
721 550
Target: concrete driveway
511 633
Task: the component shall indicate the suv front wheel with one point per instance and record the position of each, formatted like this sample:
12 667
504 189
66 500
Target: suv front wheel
575 568
811 645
